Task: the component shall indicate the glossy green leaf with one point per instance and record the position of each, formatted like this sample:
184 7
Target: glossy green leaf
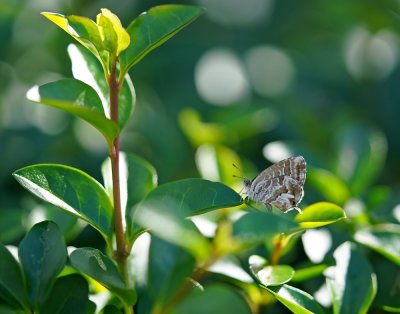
216 298
154 27
12 286
257 227
137 179
352 282
43 255
388 294
88 70
275 275
296 300
77 98
331 187
169 268
196 196
166 217
384 239
367 148
70 294
100 267
71 190
319 214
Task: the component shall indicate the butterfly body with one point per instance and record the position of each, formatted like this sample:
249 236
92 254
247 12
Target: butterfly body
280 185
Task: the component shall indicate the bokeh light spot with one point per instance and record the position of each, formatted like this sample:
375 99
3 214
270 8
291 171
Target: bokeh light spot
271 71
220 78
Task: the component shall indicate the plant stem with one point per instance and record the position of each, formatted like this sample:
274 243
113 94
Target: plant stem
121 254
276 253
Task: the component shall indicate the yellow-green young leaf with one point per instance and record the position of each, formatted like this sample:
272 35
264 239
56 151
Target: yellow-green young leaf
275 275
83 29
319 214
114 36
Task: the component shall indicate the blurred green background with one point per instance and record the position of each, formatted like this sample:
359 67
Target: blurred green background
250 82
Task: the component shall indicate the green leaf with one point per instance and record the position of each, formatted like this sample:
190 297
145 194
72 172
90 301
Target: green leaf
307 273
43 255
137 177
331 187
151 29
388 294
77 98
197 196
166 217
352 282
70 294
114 36
5 309
384 239
215 298
12 287
111 309
88 70
256 227
296 300
367 149
275 275
165 210
101 268
84 30
319 214
169 268
71 190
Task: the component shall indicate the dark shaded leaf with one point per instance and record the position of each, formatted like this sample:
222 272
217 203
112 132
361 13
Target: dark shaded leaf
43 255
100 267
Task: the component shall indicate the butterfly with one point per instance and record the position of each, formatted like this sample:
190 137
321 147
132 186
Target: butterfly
280 185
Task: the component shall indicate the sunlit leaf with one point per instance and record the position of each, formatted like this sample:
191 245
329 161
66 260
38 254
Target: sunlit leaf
71 190
77 98
43 255
384 239
275 275
100 267
319 214
307 273
114 36
154 27
296 300
12 286
87 69
352 282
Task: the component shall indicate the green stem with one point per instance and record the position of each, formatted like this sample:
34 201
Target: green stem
121 254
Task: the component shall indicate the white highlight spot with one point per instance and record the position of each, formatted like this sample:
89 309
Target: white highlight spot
206 161
316 243
220 78
396 212
276 151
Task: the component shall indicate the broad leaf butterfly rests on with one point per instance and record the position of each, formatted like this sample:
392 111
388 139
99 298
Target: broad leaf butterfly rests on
280 185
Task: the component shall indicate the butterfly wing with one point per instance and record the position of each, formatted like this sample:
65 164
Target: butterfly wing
281 184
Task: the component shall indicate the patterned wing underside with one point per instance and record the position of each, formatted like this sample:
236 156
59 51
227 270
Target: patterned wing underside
281 184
